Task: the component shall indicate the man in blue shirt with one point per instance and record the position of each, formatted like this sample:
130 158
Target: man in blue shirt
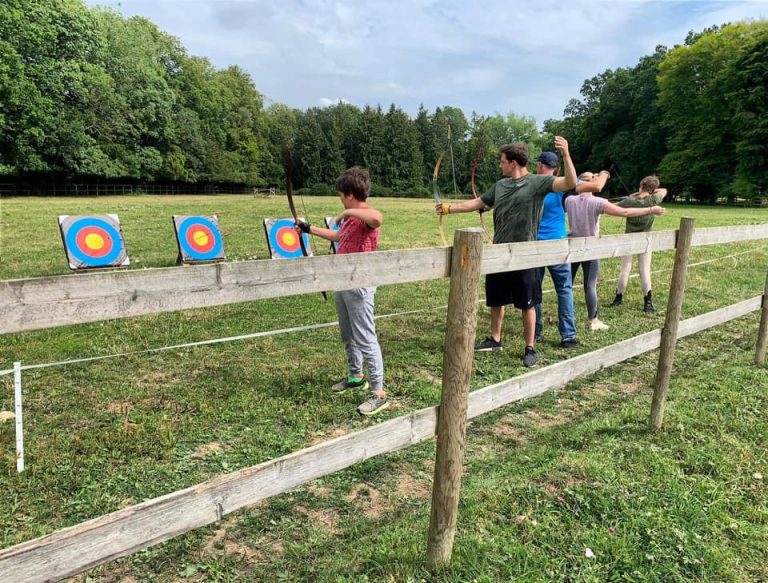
552 226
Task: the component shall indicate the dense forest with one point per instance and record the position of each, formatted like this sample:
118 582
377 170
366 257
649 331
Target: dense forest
87 93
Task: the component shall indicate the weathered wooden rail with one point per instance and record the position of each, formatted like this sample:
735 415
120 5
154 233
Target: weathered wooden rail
49 302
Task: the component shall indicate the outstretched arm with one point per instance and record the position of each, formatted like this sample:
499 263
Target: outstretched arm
463 207
616 211
595 185
369 216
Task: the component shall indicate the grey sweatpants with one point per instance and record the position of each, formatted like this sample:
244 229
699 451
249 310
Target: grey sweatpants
354 308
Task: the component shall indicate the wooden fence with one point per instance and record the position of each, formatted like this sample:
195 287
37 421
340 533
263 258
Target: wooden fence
57 301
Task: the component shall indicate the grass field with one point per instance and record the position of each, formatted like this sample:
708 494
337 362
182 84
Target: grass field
545 479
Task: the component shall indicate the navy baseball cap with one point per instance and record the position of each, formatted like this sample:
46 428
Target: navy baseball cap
548 159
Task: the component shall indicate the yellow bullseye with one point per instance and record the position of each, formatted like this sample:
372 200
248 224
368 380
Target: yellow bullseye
200 238
94 241
289 239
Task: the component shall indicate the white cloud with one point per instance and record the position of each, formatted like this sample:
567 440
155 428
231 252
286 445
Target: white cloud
493 56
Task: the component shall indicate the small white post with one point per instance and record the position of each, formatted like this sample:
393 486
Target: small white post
19 418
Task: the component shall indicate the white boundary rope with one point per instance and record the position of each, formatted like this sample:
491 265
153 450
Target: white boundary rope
280 331
19 417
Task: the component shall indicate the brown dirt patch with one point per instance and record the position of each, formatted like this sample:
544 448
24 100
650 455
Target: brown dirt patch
7 415
410 487
319 491
324 519
507 428
368 498
314 438
207 449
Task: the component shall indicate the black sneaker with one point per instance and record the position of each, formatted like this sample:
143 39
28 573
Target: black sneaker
618 300
489 344
569 343
529 358
648 304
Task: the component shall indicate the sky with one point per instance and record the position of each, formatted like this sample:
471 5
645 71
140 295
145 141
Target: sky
490 57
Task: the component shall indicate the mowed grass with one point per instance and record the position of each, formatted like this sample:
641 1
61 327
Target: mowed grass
545 479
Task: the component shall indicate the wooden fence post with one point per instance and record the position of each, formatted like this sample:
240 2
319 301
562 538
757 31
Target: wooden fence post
762 331
671 321
458 354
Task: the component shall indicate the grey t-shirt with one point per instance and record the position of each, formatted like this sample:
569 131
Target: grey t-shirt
584 213
517 205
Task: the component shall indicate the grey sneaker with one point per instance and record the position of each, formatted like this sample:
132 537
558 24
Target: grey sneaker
529 358
373 404
344 384
489 344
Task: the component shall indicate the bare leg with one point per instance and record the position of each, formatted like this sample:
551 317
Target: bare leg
497 319
529 326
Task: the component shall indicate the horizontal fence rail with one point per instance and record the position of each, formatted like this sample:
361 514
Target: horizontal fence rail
77 548
31 304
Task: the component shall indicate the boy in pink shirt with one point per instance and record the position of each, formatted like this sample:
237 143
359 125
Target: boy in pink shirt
359 233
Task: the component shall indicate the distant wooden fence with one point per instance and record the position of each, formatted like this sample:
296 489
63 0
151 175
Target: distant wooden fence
58 301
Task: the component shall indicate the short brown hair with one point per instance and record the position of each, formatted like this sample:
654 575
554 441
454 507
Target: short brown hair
516 152
355 181
650 184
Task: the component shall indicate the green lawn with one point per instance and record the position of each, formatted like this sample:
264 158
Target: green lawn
545 479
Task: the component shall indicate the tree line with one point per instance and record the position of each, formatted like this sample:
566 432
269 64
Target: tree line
85 92
696 114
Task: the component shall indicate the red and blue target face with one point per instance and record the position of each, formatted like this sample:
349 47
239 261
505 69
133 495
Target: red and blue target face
330 223
283 240
199 238
95 241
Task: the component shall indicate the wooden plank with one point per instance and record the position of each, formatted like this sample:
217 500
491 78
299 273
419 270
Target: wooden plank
31 304
77 548
719 235
762 331
512 256
540 381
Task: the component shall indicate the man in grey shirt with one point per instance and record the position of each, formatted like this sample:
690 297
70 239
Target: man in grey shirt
517 200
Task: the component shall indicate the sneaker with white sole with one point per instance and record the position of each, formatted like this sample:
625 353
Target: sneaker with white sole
489 344
598 325
373 404
346 384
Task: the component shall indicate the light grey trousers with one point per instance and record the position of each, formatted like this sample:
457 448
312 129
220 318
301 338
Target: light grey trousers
354 308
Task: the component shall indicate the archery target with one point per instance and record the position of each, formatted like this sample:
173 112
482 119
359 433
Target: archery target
93 241
198 238
283 240
330 223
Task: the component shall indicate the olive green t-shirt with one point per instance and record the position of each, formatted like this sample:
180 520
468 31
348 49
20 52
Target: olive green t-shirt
644 223
517 205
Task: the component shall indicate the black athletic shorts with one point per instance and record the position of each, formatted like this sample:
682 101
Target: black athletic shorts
521 288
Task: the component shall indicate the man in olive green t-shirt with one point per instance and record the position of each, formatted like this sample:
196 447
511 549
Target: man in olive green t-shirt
649 195
517 201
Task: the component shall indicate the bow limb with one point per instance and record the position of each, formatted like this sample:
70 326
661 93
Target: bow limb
292 206
436 196
616 172
474 192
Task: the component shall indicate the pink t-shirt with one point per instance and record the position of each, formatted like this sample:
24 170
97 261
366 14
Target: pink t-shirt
357 237
584 213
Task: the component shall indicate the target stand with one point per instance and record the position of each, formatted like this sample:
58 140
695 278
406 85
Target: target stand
330 223
283 240
93 242
198 238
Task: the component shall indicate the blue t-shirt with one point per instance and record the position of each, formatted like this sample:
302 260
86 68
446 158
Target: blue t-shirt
552 225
